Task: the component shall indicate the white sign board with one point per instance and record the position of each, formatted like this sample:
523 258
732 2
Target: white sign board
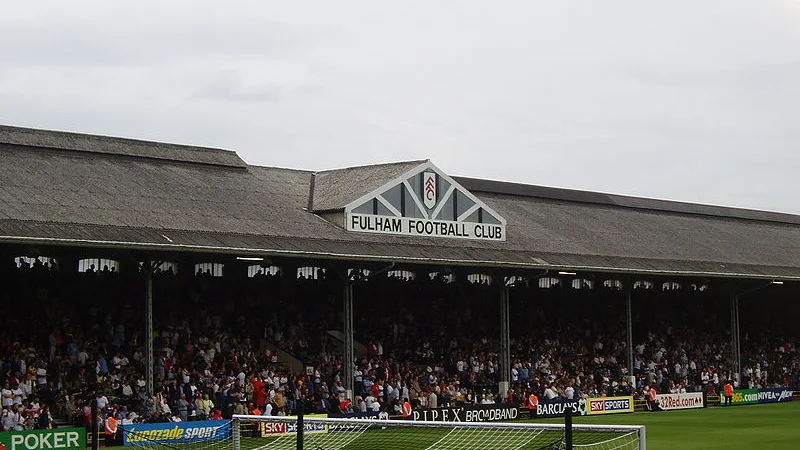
367 223
688 400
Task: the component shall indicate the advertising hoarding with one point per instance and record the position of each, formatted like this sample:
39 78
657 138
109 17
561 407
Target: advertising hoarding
176 432
609 405
689 400
57 439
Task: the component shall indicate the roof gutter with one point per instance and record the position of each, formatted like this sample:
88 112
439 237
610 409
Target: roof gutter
389 259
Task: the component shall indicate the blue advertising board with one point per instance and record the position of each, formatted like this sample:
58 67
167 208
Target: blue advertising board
775 395
176 432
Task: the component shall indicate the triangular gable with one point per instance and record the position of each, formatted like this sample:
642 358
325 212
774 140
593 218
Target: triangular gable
424 202
333 189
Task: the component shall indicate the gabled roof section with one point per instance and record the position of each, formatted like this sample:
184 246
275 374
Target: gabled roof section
426 202
76 142
405 196
332 190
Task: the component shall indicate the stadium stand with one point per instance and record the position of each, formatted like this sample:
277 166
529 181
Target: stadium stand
66 342
230 341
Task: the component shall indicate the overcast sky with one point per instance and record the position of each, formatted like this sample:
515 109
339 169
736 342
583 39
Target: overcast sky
694 100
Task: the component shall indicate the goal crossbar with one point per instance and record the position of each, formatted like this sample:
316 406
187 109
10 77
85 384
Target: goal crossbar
347 432
421 423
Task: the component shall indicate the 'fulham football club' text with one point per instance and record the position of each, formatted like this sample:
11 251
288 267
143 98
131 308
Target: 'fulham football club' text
424 227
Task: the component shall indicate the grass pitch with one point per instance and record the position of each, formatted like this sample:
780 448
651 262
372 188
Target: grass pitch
773 427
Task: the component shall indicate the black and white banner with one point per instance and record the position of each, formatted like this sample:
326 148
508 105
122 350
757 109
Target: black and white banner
382 415
355 417
467 413
557 407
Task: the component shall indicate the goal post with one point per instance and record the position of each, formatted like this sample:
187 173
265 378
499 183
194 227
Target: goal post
323 433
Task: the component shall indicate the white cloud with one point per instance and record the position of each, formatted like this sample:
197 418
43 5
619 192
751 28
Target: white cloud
684 100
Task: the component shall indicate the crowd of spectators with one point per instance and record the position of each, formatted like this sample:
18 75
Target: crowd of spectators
69 337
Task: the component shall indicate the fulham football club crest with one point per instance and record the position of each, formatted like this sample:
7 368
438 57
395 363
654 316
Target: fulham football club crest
429 189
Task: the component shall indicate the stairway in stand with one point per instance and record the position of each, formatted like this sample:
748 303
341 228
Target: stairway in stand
62 422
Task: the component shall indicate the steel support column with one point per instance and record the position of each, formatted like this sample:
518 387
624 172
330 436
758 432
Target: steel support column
505 339
148 330
349 353
738 375
629 323
736 356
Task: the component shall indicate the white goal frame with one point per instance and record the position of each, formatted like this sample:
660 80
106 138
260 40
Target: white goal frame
237 421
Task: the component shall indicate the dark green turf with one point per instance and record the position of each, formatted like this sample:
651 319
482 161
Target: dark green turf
770 427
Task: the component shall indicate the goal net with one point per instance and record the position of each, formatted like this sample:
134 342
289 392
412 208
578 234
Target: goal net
322 433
